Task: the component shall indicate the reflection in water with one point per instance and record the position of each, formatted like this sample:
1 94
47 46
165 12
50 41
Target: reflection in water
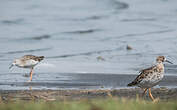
85 54
15 21
119 5
138 34
83 31
30 88
37 37
27 51
138 20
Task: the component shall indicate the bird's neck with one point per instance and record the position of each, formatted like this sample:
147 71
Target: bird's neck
160 66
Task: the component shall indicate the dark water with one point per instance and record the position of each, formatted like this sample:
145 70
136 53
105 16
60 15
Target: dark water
86 36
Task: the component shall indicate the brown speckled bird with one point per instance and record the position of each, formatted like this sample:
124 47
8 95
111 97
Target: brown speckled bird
151 76
27 61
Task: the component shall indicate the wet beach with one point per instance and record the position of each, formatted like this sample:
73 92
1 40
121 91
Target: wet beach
82 86
89 45
163 94
75 81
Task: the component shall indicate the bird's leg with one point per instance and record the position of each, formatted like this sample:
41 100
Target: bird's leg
150 95
31 74
145 90
109 94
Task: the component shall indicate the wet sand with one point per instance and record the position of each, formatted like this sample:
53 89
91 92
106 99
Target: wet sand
82 81
84 86
62 95
84 37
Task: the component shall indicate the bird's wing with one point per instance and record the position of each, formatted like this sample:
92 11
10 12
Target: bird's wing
32 57
28 57
143 74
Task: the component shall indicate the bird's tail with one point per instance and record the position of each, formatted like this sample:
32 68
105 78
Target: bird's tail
131 84
40 58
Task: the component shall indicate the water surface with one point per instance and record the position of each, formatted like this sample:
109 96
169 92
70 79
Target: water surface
86 36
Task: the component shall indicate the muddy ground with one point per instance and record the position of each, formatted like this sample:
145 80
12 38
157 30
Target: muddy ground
164 94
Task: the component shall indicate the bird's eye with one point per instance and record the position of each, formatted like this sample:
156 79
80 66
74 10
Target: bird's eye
164 59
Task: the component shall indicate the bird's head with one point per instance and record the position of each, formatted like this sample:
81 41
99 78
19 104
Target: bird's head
15 62
162 59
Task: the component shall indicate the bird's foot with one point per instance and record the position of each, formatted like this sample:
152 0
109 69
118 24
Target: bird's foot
109 94
156 100
29 80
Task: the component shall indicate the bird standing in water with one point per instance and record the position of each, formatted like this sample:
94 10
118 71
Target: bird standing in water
151 76
27 61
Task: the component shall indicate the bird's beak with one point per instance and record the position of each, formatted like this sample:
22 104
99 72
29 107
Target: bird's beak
11 66
168 61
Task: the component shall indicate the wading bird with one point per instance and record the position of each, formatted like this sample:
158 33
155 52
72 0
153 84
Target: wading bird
27 61
151 76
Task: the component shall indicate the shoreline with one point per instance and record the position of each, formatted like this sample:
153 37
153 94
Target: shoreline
164 94
63 81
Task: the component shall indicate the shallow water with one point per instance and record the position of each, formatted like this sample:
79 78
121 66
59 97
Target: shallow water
87 36
70 81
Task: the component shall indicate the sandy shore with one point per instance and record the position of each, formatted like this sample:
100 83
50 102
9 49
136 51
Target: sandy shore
64 81
84 86
52 95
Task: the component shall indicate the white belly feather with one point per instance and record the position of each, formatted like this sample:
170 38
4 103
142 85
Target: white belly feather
28 64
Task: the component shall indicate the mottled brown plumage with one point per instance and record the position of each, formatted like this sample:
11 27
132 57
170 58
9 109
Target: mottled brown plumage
36 58
151 76
145 73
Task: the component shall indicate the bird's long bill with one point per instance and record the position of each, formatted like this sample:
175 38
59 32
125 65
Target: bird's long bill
11 66
168 61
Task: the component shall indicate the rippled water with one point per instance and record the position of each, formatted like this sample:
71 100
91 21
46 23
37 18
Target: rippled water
88 36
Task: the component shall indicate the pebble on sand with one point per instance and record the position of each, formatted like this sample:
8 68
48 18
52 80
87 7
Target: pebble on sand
129 47
100 58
